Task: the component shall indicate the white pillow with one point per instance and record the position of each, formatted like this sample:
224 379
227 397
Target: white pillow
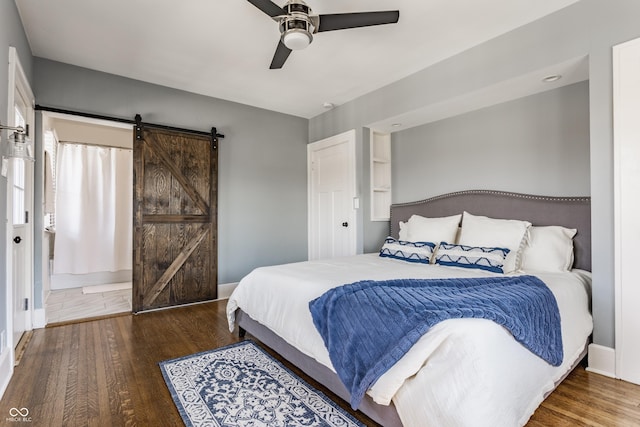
403 234
550 248
422 229
495 233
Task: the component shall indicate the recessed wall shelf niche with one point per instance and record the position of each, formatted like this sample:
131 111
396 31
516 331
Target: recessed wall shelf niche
380 167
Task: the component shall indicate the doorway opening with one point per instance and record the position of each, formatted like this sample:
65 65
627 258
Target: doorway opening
87 233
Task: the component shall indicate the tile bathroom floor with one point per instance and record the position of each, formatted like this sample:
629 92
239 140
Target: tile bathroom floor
71 304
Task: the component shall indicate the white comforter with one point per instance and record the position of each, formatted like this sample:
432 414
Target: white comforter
463 372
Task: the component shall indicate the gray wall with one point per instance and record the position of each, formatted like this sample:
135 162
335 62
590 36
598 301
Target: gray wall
537 144
262 207
11 34
587 28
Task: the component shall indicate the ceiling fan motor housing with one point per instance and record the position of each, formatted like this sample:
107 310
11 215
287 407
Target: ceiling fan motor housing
297 27
297 6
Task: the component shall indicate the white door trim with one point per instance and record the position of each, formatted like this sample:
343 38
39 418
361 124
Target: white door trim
17 83
349 138
626 130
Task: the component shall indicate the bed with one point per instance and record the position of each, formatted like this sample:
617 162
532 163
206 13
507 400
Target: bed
462 371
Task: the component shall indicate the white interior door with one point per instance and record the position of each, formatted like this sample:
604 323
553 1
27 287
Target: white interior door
19 208
19 253
627 208
332 191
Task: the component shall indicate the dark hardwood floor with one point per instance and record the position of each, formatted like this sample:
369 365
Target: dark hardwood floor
105 373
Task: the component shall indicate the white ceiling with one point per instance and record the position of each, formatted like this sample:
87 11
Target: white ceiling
223 48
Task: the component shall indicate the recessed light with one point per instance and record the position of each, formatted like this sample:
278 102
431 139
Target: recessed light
328 105
552 78
396 125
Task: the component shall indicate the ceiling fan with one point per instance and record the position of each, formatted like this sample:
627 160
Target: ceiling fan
297 24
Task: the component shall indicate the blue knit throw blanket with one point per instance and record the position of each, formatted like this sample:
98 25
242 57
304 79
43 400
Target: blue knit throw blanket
368 326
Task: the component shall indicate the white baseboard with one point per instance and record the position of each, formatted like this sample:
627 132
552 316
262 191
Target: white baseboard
107 287
68 281
602 360
6 369
39 318
225 290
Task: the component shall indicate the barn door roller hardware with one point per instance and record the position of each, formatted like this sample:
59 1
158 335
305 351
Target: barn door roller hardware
140 124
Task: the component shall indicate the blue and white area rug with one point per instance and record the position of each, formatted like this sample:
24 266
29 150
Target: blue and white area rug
242 385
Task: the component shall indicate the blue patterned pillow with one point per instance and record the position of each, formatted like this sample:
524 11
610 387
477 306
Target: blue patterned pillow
407 251
490 259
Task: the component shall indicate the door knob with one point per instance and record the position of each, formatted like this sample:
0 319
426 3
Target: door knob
17 239
345 224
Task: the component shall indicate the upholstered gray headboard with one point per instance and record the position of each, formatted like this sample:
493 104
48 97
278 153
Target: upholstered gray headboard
571 212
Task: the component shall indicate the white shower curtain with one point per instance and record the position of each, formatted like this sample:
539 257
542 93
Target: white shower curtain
93 209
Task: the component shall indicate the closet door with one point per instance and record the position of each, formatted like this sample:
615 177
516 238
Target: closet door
331 175
175 218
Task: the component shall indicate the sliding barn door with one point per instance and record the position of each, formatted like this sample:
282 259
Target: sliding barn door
175 218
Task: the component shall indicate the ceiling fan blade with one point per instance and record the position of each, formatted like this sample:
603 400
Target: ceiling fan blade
280 57
268 7
341 21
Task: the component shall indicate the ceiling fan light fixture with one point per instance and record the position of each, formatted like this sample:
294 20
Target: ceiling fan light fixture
296 39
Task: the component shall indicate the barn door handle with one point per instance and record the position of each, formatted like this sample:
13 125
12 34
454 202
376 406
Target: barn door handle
17 239
345 224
